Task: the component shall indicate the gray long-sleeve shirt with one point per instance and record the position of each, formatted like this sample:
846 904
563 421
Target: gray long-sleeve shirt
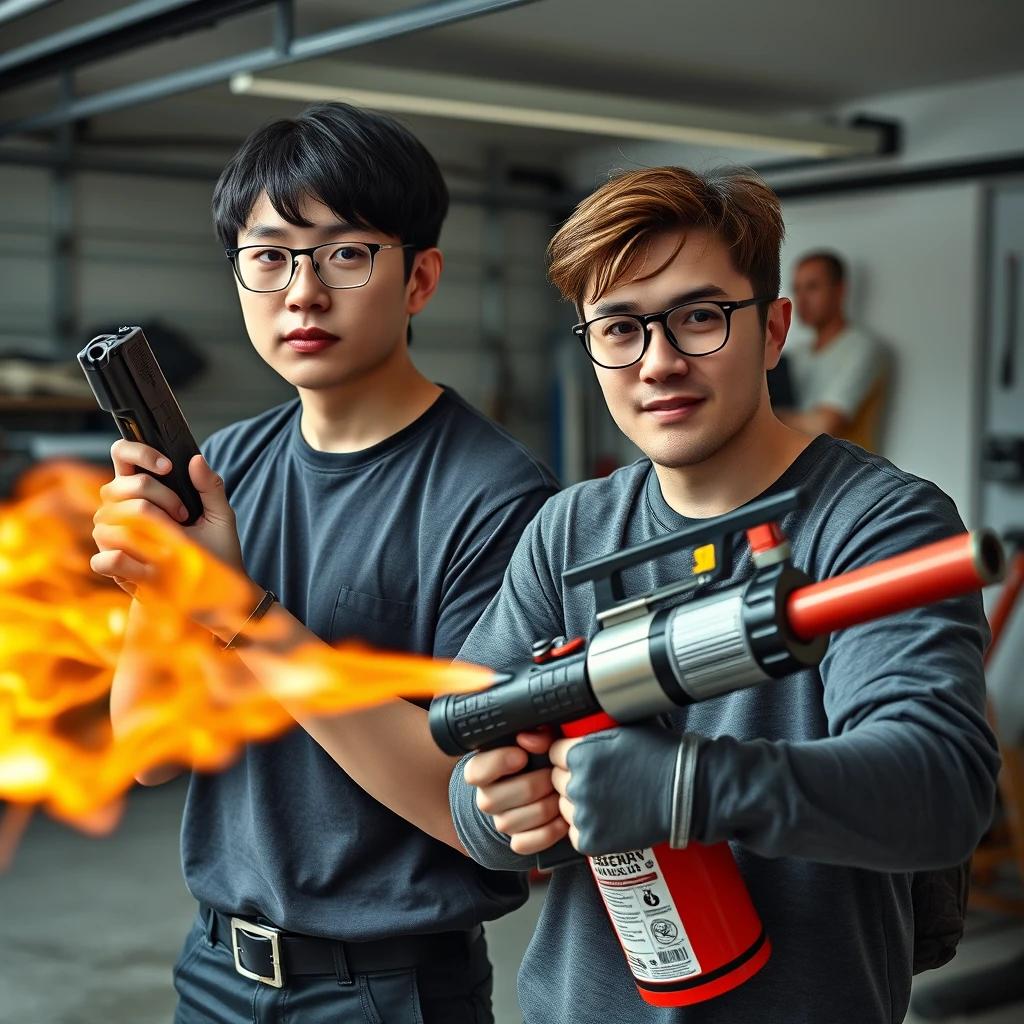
833 785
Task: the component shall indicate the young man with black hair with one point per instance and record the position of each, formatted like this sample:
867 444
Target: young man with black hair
377 505
833 785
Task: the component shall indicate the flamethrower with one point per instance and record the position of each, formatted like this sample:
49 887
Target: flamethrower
683 916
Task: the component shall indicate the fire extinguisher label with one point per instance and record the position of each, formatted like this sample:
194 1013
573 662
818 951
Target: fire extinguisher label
644 916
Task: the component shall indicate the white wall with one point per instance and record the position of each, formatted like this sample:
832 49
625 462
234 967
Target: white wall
914 257
961 120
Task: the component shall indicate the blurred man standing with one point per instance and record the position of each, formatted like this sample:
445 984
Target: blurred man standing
837 378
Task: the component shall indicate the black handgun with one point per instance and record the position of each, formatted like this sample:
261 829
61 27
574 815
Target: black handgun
128 382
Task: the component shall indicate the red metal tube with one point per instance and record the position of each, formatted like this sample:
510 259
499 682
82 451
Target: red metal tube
932 573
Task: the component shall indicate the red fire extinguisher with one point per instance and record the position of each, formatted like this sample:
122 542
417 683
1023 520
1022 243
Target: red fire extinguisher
683 917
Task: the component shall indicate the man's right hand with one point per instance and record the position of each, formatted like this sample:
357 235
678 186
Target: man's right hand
141 494
524 807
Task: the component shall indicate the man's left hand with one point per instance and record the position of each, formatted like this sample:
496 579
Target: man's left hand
132 493
616 787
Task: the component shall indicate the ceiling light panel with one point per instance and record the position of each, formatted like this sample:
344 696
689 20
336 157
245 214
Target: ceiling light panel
568 110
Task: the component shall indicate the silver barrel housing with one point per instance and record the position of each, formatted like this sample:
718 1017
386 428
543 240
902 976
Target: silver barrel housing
729 640
709 648
621 674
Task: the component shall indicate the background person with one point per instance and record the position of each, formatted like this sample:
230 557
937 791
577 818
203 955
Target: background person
837 376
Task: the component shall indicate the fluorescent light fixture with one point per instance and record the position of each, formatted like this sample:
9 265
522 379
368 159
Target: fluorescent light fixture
11 9
567 110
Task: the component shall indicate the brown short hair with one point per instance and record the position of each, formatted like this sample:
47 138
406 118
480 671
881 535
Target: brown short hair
611 231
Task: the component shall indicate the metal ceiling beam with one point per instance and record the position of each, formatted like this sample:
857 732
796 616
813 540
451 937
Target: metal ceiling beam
11 9
557 203
122 30
108 164
416 19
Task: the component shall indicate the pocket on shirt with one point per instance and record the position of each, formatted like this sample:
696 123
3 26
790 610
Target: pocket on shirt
378 620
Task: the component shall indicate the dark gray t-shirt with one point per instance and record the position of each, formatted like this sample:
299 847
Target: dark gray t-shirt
833 785
402 545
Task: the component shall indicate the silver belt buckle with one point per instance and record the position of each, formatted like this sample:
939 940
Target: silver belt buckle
237 925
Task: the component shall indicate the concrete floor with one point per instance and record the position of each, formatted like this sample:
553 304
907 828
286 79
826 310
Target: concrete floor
89 928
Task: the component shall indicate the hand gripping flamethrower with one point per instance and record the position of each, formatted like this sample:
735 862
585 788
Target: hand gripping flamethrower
683 916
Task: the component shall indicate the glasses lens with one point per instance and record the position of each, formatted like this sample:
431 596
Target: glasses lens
343 264
615 340
698 327
339 265
264 268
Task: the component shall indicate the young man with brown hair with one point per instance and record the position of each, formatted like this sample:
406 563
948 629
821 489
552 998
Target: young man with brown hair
834 785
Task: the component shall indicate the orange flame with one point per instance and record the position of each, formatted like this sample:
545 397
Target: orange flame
62 630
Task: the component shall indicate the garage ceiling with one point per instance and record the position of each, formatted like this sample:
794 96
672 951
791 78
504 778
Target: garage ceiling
736 52
784 56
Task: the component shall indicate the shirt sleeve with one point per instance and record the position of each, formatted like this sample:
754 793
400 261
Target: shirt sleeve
525 608
906 778
851 376
476 571
482 841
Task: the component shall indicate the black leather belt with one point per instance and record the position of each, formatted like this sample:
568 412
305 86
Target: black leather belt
270 955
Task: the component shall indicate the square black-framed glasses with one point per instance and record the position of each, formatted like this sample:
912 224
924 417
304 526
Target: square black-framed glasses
644 321
372 249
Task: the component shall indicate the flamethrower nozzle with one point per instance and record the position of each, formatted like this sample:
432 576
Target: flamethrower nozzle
945 569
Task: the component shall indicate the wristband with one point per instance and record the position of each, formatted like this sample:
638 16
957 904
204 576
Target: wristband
258 612
682 792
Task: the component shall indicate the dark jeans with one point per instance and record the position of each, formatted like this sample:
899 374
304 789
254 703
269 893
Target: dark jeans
210 991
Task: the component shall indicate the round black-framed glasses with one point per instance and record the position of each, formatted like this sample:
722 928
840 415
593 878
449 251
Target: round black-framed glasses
339 265
697 328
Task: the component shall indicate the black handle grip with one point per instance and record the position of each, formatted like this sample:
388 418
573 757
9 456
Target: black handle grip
524 699
534 762
129 384
562 854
